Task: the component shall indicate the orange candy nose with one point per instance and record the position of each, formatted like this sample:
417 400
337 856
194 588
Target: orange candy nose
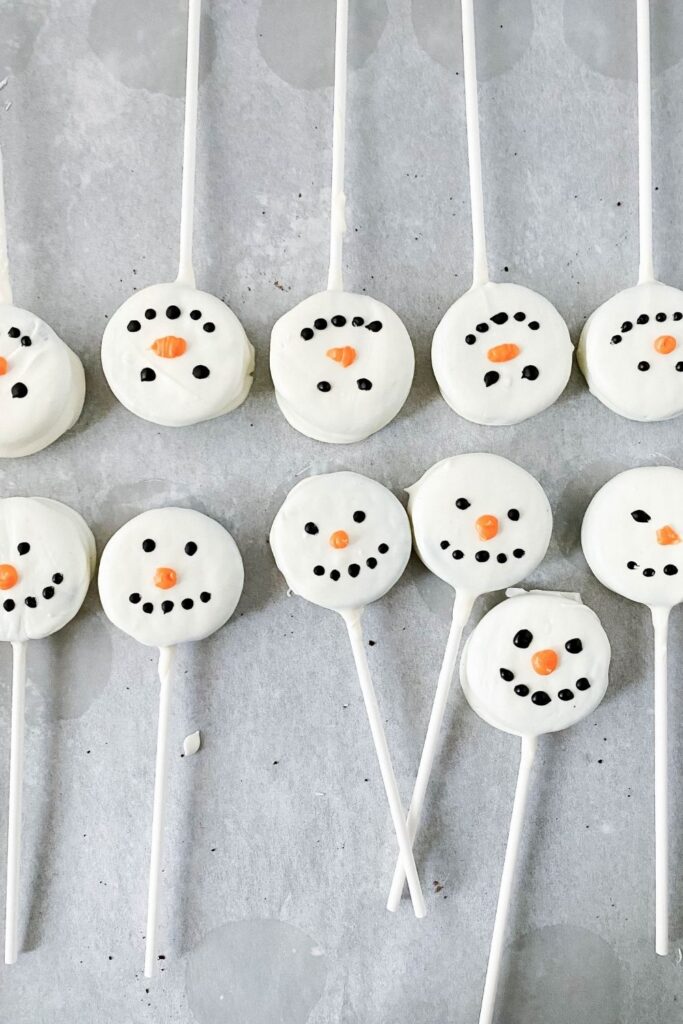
544 662
169 347
503 353
9 577
487 527
664 344
667 535
339 539
165 578
4 366
345 355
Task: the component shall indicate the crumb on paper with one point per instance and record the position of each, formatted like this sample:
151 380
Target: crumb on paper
191 744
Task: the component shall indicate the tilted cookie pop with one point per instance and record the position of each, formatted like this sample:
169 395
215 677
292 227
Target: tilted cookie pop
535 664
631 537
480 523
502 352
42 384
169 576
171 354
47 555
631 348
342 364
341 541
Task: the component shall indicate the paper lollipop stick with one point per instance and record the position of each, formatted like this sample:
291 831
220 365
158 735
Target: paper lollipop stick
47 557
630 536
630 348
5 283
167 577
338 199
166 658
502 352
342 541
536 664
16 775
480 523
171 354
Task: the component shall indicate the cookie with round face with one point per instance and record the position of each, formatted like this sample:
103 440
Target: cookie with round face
342 366
631 352
47 558
42 384
536 663
170 575
501 354
176 356
632 535
341 540
480 522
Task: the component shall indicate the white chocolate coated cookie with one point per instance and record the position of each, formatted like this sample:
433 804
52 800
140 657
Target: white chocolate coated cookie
342 366
501 354
170 575
341 540
47 558
632 535
177 356
480 522
536 663
631 352
42 384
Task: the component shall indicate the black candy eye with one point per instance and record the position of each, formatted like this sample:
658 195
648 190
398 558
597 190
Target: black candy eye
133 326
359 517
148 545
195 314
150 314
462 504
640 516
522 639
172 312
573 646
23 548
513 514
320 324
190 548
209 327
14 332
26 341
311 528
470 339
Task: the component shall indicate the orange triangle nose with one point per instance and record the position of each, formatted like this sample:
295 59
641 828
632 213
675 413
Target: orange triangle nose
487 527
544 663
4 366
664 344
169 347
503 353
165 578
339 539
9 577
345 355
667 535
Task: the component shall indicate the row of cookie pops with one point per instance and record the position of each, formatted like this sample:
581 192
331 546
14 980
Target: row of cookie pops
341 540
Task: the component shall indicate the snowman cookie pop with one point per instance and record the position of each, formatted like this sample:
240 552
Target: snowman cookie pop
42 384
501 353
171 354
169 576
47 558
480 523
535 664
631 348
631 538
342 364
341 541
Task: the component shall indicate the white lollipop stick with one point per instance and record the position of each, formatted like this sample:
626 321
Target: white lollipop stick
185 269
338 199
353 624
16 774
5 284
646 271
529 744
462 609
165 666
480 271
660 621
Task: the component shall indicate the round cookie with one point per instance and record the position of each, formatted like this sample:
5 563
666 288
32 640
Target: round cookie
631 352
501 354
42 384
342 365
170 575
480 522
47 558
341 540
632 532
536 663
177 356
